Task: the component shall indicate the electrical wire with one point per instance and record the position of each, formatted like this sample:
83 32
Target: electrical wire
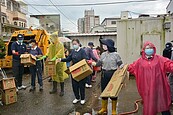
93 4
62 13
41 13
137 13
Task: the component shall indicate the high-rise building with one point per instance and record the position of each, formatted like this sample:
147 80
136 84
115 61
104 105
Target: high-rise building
88 22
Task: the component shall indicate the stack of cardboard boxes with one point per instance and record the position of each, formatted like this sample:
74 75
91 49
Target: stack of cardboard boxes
8 87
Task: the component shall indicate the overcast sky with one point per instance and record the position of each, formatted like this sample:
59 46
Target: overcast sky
105 11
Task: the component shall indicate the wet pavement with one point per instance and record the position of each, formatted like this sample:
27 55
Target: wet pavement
42 103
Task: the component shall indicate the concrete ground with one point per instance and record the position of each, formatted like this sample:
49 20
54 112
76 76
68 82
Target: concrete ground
42 103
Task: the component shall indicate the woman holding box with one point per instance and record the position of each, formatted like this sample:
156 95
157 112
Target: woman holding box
110 62
77 55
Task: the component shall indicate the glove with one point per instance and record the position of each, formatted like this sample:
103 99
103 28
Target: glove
16 53
93 63
43 57
89 61
53 59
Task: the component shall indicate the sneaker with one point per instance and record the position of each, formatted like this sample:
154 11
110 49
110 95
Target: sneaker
23 87
82 102
76 101
86 85
19 88
41 88
90 86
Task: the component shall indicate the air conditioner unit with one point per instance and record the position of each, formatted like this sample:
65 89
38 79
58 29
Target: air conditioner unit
167 25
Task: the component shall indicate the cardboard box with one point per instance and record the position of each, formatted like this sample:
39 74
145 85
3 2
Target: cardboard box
9 96
116 83
80 70
28 59
6 63
50 68
7 83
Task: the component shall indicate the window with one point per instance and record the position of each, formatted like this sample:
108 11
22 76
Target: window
19 23
113 22
2 2
9 5
22 24
15 23
3 19
15 6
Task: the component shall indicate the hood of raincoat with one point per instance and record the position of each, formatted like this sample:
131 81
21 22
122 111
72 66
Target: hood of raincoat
144 46
54 38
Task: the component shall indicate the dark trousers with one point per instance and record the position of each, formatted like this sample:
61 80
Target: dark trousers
36 70
89 78
106 77
79 88
18 70
166 113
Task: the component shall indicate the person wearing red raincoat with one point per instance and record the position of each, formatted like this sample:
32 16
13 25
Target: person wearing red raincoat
151 80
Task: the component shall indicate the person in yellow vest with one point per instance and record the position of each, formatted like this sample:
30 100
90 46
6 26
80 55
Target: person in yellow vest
55 51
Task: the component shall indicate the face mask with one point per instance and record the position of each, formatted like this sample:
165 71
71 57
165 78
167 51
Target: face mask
105 47
20 41
30 45
75 47
149 52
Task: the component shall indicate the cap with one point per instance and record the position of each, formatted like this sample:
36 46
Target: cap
90 44
20 37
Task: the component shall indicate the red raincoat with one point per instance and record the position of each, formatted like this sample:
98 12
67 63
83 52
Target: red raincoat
152 82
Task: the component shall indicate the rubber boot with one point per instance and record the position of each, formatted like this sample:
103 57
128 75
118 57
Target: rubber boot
54 89
114 103
62 89
104 107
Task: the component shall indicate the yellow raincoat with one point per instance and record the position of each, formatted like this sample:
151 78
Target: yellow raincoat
56 49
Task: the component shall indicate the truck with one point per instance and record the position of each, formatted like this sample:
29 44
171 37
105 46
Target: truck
41 37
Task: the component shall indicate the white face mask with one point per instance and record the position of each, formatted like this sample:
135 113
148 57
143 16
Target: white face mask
105 47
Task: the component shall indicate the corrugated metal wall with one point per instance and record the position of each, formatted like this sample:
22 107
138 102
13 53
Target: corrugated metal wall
95 39
131 34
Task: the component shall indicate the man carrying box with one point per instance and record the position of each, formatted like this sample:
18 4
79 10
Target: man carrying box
18 48
55 51
36 69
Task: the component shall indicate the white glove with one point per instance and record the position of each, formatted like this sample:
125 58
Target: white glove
93 63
